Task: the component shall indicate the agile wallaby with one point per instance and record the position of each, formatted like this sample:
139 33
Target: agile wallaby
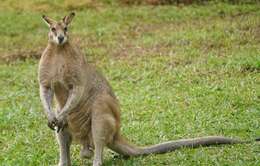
88 111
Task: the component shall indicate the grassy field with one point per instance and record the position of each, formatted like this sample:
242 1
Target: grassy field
179 72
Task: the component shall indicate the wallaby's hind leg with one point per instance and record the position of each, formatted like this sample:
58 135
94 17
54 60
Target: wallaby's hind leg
103 130
98 155
87 146
64 139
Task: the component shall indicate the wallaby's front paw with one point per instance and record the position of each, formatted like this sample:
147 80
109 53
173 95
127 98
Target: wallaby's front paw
52 122
61 123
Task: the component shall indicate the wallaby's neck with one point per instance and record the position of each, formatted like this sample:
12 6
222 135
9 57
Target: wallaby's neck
66 49
59 47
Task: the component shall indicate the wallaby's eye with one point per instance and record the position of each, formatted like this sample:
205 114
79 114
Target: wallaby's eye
53 29
65 29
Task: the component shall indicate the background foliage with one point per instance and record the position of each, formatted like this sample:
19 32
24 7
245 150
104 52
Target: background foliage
179 71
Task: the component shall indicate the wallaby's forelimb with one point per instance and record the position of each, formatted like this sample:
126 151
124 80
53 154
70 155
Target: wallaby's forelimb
74 98
46 95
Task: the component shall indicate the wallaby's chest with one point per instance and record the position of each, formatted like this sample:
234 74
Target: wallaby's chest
58 72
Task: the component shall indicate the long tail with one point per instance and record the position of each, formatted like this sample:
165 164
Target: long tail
121 146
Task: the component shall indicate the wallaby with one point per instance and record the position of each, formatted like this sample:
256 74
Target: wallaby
87 109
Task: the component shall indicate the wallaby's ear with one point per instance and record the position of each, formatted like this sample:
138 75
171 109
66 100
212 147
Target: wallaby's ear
48 20
67 19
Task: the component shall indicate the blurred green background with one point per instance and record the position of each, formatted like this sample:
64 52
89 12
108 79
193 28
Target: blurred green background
180 69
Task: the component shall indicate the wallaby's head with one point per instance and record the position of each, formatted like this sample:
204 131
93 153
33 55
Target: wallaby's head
58 29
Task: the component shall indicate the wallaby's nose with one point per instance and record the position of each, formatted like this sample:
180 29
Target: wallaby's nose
60 38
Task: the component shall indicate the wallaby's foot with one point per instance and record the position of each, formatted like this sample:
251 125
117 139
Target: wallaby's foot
86 152
97 163
64 164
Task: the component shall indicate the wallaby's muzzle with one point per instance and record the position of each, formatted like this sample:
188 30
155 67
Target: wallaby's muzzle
60 39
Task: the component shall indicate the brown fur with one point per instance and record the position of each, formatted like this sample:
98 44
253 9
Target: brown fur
88 111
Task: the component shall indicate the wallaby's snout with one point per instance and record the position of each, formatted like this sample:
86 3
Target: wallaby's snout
60 39
58 33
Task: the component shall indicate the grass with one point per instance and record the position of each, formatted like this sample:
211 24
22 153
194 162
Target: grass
178 73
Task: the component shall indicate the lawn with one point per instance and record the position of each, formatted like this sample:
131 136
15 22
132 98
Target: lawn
179 72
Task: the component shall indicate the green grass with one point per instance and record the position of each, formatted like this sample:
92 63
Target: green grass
178 73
